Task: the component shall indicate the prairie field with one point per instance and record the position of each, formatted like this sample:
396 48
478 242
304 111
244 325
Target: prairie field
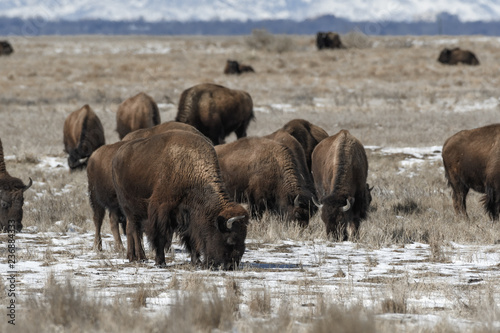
415 267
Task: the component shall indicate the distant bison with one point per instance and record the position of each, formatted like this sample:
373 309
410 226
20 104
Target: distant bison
161 128
83 134
328 40
233 67
216 111
170 183
307 134
456 55
264 173
5 48
11 199
137 112
340 170
471 160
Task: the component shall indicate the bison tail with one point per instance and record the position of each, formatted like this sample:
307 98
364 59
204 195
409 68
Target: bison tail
491 202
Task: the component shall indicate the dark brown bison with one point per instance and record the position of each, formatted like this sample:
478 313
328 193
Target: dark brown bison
456 55
264 173
234 67
135 113
471 160
11 198
216 111
102 194
83 133
161 128
5 48
328 40
340 169
307 134
170 183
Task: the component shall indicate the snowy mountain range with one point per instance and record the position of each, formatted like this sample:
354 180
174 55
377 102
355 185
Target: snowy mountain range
223 10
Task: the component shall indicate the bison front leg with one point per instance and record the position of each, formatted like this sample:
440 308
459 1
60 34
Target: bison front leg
459 196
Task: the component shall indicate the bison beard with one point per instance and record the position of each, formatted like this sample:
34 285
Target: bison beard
167 196
471 161
340 169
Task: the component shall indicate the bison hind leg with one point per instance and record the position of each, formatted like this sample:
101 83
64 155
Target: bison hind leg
114 220
491 202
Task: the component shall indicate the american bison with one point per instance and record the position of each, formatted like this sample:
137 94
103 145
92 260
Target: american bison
456 55
264 173
471 160
216 111
340 170
83 134
5 48
308 135
137 112
170 183
328 40
11 198
234 67
161 128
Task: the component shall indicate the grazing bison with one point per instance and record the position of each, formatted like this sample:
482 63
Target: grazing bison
161 128
234 67
307 134
471 160
328 40
456 55
340 169
265 174
5 48
170 183
11 198
83 133
135 113
216 111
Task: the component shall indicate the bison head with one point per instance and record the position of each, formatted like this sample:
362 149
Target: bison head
232 67
226 248
302 210
11 203
445 56
338 214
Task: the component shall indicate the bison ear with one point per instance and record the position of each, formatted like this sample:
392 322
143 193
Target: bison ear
220 224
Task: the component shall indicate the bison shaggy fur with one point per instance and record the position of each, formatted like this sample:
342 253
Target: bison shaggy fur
340 170
170 183
5 48
328 40
139 111
216 111
471 160
83 134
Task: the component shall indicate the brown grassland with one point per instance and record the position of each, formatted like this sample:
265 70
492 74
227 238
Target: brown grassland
387 91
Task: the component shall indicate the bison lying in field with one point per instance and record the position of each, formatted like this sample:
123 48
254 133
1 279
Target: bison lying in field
135 113
328 40
471 160
265 174
307 134
234 67
5 48
83 133
340 170
170 183
216 111
11 198
456 55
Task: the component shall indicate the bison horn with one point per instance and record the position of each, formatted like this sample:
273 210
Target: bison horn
296 202
317 204
230 222
347 206
29 185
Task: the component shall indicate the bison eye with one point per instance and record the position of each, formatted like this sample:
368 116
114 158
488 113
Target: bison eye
4 204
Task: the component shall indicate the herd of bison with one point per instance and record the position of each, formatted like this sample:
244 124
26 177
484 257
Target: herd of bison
181 177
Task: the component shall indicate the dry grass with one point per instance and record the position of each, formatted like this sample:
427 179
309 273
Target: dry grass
387 91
